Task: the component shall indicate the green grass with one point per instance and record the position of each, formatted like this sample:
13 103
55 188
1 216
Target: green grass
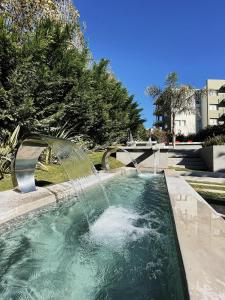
187 170
211 196
96 158
55 173
6 184
205 182
209 187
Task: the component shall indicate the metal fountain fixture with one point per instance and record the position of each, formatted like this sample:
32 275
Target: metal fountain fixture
27 157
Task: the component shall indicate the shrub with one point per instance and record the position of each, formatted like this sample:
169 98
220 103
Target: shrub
7 150
191 137
216 140
159 135
181 138
209 131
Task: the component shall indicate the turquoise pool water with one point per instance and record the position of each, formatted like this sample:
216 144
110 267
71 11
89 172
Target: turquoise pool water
128 251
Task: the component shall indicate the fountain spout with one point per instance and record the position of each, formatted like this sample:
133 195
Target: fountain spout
30 149
110 150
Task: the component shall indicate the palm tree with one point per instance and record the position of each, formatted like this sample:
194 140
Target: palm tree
172 100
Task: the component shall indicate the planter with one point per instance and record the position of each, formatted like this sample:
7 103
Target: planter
214 157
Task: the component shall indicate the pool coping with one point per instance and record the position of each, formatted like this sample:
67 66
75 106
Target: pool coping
14 204
201 236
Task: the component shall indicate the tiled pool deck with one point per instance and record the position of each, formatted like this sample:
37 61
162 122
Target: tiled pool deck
201 236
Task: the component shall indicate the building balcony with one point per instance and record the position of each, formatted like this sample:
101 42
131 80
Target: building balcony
221 119
213 99
214 114
159 123
221 90
222 103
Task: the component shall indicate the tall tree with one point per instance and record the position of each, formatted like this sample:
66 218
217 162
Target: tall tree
25 15
172 100
46 82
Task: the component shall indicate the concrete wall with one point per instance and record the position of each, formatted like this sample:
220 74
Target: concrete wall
207 155
187 146
201 236
143 157
214 157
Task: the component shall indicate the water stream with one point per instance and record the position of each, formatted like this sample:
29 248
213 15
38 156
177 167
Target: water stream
80 171
156 153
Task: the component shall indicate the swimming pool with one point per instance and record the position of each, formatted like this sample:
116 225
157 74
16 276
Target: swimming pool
127 251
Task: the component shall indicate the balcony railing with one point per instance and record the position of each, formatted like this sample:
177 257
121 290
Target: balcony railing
221 117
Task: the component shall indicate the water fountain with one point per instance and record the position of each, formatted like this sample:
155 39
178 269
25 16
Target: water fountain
156 151
130 139
109 151
150 141
77 166
55 255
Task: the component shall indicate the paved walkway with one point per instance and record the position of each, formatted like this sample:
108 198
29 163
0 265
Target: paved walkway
201 234
211 184
203 176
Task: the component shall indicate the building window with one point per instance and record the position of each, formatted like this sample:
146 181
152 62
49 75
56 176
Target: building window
180 122
212 93
213 107
213 121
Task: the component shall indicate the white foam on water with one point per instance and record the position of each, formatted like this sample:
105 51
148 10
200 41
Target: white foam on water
115 227
147 175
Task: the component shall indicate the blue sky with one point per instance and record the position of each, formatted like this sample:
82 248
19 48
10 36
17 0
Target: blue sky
147 39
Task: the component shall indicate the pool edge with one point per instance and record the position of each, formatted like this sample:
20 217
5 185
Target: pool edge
14 204
201 237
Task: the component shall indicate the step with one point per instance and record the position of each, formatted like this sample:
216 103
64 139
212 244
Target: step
191 167
188 166
185 160
207 185
212 191
211 177
203 175
183 153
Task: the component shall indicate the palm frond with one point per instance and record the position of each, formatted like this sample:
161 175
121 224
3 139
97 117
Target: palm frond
13 139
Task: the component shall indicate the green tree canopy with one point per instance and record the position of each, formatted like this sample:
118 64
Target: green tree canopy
172 100
47 82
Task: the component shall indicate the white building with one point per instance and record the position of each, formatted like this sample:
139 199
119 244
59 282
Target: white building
213 103
208 110
189 123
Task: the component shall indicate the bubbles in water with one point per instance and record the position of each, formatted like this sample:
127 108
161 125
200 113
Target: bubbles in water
154 268
128 252
147 175
116 227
